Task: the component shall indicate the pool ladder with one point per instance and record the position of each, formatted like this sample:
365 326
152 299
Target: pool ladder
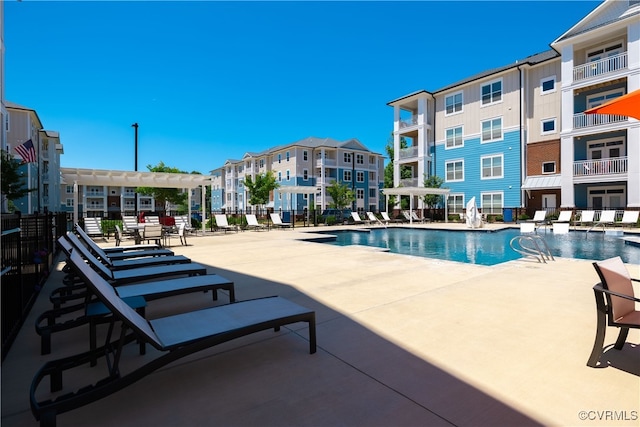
532 245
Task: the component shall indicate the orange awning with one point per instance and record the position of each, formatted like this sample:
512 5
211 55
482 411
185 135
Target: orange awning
626 105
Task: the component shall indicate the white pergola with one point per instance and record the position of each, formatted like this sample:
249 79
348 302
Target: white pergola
299 189
115 178
419 192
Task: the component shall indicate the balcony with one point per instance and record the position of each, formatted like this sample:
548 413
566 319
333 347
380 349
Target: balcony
407 122
327 162
408 153
582 121
326 181
409 182
600 167
601 67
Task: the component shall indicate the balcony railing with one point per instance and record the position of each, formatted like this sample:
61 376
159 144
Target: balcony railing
603 66
409 152
326 181
600 167
582 120
327 162
409 182
411 121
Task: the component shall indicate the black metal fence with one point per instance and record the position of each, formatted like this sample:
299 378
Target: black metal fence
27 249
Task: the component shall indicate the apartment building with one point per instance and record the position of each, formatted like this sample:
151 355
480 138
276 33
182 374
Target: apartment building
515 136
303 169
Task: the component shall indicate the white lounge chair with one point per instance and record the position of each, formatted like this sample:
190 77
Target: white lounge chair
253 224
586 218
356 218
373 219
561 225
93 227
539 217
629 218
277 221
607 217
415 217
385 218
223 224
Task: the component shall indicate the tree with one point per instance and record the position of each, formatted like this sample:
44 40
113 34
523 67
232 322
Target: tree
405 171
341 194
432 200
260 189
164 195
13 184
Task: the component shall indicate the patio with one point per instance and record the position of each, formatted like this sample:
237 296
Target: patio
402 341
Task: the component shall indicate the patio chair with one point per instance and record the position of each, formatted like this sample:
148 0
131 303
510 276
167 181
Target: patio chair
152 233
222 224
121 252
629 218
183 219
373 219
561 225
586 218
615 304
387 219
152 219
174 336
93 227
607 217
539 218
253 224
415 217
277 221
129 224
356 218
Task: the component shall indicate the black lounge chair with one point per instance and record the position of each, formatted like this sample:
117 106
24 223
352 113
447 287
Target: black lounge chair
121 252
174 336
615 304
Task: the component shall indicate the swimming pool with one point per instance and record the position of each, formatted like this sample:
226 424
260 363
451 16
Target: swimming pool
483 247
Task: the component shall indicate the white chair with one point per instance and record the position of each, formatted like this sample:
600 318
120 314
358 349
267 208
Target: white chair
561 225
93 227
539 217
373 219
629 218
607 217
586 218
415 217
277 221
223 224
253 224
152 219
385 218
356 218
152 232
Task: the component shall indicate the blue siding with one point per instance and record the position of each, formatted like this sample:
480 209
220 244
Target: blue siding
471 153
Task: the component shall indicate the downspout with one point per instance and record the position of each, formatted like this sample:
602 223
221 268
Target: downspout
523 142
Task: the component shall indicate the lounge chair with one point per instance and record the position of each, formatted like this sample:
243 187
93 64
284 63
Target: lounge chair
125 264
173 336
615 304
561 225
607 217
222 224
93 227
415 217
277 221
121 252
629 218
184 219
356 218
152 219
387 219
373 219
586 218
253 224
539 218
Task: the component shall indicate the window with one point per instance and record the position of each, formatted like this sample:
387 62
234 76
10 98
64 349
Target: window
360 159
287 154
373 192
288 176
455 203
455 170
492 203
69 189
69 203
305 174
453 103
602 97
548 85
346 175
492 130
261 163
491 93
548 126
360 193
305 155
359 176
548 167
279 158
279 176
372 160
347 157
454 137
491 167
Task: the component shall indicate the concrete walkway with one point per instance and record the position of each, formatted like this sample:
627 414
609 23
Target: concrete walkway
403 341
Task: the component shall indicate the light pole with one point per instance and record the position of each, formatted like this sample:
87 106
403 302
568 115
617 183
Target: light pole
135 139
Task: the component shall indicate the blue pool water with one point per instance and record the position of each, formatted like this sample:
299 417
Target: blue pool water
485 248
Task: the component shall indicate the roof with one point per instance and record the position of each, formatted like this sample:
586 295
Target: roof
133 179
542 182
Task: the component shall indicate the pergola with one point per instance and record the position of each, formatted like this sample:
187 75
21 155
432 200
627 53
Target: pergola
114 178
419 192
299 189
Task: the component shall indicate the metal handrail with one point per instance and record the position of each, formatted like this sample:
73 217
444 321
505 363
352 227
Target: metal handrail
542 255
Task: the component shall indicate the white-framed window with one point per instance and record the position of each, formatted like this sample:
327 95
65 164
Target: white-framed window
305 155
347 157
453 103
279 176
359 176
491 130
69 189
606 148
346 175
491 93
288 175
491 203
373 192
372 160
606 197
454 137
454 170
360 159
360 193
547 85
305 174
287 155
279 158
604 51
602 97
548 126
280 197
548 167
455 203
261 163
305 196
69 203
491 166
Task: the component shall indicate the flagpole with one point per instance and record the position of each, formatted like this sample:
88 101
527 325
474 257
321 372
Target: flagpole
38 171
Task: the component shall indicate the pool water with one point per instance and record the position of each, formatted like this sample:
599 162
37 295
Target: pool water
485 248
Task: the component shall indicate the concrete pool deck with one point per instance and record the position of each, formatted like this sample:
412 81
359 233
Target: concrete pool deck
402 340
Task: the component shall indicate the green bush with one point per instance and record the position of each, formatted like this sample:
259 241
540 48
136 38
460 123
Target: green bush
523 217
330 220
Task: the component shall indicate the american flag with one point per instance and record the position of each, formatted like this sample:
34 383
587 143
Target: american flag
27 151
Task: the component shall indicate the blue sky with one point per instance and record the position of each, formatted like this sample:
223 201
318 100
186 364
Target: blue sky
209 81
